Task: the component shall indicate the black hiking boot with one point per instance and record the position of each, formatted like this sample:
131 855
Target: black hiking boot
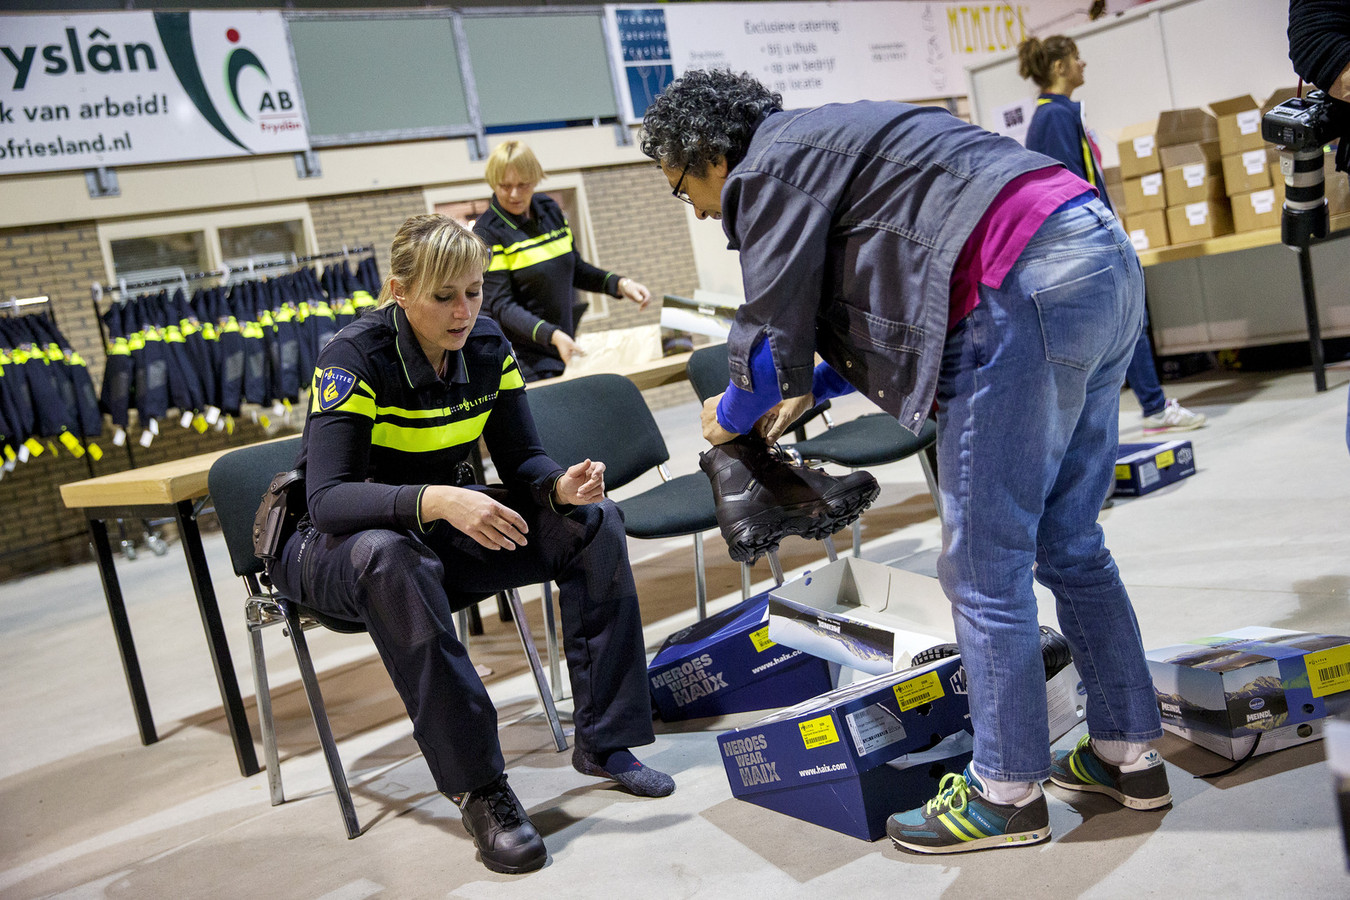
506 838
761 497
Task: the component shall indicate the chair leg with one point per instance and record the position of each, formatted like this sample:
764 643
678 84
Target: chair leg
700 579
551 643
545 695
830 552
745 581
266 725
928 459
462 626
775 567
320 714
857 538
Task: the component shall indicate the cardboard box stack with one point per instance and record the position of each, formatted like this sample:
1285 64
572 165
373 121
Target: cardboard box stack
1141 187
1189 151
1247 162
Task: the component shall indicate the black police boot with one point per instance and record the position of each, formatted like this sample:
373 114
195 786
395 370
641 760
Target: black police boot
506 839
761 497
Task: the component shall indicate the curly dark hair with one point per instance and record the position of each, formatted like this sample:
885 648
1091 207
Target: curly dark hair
706 115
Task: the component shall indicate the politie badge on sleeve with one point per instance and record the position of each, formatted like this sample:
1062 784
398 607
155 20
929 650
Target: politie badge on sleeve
335 386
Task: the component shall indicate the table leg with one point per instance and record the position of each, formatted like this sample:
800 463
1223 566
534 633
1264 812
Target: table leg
215 638
117 610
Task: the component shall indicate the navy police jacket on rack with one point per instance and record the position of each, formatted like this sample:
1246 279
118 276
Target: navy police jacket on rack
382 425
853 216
530 286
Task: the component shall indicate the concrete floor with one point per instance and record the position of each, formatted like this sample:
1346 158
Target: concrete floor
1256 537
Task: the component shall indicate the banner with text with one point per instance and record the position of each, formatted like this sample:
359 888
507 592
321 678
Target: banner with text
814 53
125 88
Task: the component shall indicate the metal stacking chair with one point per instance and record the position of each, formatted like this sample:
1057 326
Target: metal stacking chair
237 481
869 440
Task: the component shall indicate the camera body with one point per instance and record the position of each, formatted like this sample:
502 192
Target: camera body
1301 127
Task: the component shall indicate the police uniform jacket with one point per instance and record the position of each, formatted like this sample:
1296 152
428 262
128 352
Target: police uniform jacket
530 286
1057 131
382 425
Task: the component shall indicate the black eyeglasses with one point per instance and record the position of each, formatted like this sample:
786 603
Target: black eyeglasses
679 194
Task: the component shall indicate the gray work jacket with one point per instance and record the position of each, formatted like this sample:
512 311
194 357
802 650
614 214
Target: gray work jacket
849 219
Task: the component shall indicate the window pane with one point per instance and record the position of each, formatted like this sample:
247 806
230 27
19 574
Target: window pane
143 258
269 242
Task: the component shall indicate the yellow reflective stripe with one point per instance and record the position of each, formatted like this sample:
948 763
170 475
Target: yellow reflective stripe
1087 163
511 378
524 254
362 404
1042 101
424 439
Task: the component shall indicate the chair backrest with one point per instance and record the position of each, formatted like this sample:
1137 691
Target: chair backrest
601 417
237 481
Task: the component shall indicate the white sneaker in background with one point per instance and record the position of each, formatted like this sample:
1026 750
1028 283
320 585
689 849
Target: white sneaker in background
1174 417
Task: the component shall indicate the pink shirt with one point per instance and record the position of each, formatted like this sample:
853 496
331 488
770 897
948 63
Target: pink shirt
994 246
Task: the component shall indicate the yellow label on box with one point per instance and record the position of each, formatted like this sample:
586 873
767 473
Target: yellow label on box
818 732
918 691
1122 473
1328 671
761 640
1165 458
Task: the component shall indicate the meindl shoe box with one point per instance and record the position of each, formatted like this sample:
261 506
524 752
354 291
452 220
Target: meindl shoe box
728 664
1141 468
848 759
861 614
1226 691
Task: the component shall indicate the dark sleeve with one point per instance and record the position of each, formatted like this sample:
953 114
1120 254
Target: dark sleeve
337 454
514 443
782 234
1055 132
500 300
1319 39
587 277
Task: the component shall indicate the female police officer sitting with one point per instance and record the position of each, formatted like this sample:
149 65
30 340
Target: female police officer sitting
400 397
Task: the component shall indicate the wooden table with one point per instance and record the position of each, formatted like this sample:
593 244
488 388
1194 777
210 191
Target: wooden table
176 488
659 372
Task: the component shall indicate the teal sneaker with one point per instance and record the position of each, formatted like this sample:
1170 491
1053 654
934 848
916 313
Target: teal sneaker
1140 785
960 818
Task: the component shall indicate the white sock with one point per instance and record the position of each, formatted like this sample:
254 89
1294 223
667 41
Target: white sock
1005 793
1119 753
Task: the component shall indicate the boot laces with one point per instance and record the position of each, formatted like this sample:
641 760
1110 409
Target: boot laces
500 803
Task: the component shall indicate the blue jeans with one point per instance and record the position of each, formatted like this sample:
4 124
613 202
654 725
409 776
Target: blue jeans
1029 398
1142 374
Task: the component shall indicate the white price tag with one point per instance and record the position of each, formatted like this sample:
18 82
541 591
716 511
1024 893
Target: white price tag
1263 201
119 436
186 421
1151 184
1197 213
212 414
153 427
147 438
24 453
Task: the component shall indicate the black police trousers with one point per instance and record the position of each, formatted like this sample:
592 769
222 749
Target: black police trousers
405 586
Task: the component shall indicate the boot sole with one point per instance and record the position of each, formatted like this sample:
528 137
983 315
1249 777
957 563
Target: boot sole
752 538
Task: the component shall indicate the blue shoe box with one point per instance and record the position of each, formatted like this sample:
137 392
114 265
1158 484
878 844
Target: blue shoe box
1142 468
728 664
1226 691
848 759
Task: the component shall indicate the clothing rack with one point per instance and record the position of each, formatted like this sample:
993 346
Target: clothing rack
18 303
123 286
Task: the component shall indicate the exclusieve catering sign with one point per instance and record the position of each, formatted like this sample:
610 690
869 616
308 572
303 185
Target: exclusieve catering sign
125 88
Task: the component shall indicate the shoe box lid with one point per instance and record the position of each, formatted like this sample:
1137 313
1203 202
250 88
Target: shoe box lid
861 614
728 664
1249 682
849 758
1142 468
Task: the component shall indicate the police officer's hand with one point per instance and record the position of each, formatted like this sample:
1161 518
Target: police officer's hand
773 423
491 524
635 291
582 484
566 347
